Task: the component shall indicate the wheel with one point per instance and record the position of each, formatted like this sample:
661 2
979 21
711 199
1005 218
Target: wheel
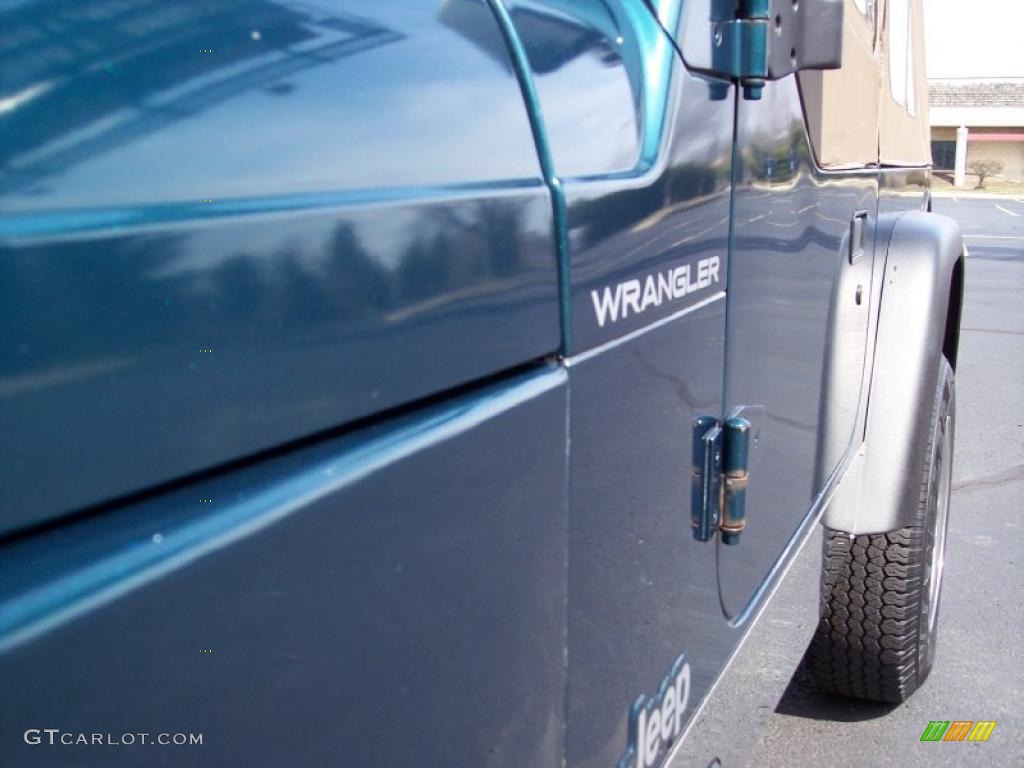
880 592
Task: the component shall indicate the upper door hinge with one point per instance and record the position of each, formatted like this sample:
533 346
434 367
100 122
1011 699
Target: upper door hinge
769 39
740 47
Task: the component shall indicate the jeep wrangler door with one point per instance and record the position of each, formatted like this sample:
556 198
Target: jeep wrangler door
795 277
800 270
800 257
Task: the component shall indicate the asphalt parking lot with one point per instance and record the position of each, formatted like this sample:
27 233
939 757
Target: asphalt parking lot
979 671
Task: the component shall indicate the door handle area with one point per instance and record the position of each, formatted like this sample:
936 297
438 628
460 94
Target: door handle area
858 230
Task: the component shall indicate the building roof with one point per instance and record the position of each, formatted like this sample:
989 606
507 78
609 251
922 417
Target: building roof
976 93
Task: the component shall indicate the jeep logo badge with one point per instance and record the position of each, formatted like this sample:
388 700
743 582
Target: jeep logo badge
655 722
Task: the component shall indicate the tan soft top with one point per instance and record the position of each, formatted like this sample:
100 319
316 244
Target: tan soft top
874 109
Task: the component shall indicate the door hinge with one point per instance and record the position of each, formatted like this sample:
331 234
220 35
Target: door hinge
740 46
763 40
718 477
705 477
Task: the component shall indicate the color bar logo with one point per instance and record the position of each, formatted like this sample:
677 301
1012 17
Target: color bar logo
958 730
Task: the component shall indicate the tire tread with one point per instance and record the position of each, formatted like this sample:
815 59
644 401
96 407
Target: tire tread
868 638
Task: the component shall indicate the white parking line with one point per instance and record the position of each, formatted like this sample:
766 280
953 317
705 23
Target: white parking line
1007 211
956 199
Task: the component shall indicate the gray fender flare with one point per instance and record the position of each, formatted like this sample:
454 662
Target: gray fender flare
918 321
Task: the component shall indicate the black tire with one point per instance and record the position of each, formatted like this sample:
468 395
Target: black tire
880 592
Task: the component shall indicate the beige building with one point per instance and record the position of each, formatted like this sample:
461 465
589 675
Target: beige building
977 118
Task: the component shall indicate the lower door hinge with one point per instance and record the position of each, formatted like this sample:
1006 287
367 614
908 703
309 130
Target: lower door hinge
718 477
